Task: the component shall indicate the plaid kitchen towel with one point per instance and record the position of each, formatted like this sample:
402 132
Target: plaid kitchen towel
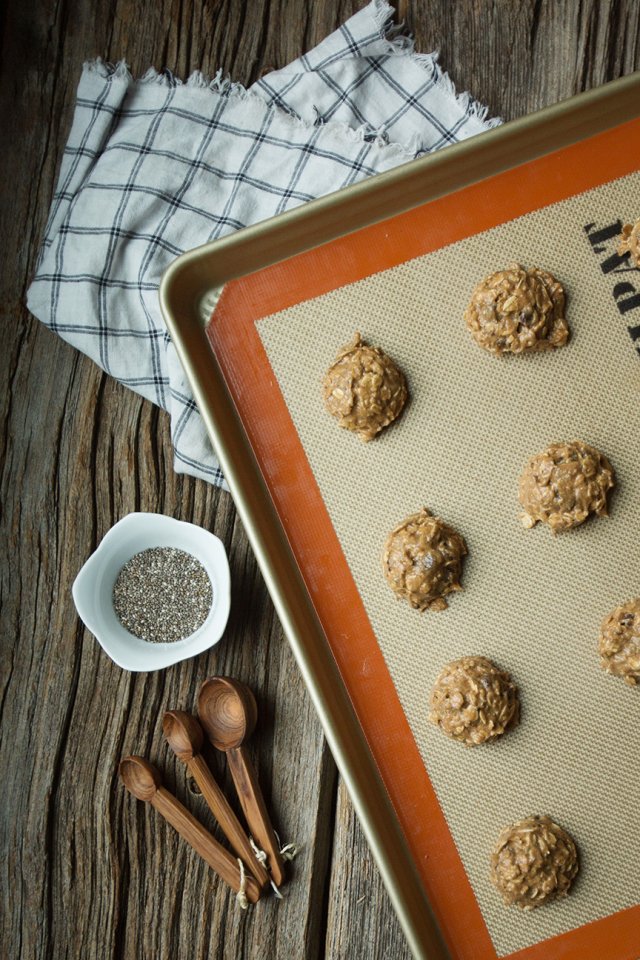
155 167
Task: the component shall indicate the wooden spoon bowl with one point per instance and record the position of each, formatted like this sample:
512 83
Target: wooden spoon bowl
140 778
228 712
183 733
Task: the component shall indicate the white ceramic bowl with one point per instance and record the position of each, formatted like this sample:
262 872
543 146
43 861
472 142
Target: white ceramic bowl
93 589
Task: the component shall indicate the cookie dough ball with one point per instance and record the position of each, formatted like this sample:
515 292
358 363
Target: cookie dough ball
534 861
363 389
518 311
564 484
619 642
630 241
473 701
422 560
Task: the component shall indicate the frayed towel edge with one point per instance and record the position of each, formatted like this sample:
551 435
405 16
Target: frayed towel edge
399 44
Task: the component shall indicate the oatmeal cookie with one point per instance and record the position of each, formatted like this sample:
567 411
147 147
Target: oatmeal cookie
422 560
619 642
518 311
534 861
364 389
473 701
630 242
564 484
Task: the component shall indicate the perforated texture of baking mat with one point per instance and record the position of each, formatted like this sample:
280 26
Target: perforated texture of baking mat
531 602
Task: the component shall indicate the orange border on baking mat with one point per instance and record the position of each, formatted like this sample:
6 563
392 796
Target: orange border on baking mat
253 386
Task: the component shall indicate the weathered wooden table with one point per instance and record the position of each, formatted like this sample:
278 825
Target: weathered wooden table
87 872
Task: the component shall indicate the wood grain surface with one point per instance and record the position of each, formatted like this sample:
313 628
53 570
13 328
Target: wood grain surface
87 871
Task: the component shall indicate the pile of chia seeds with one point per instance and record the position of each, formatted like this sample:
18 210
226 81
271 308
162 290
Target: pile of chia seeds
162 595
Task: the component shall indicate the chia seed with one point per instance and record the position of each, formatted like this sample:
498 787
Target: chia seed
162 595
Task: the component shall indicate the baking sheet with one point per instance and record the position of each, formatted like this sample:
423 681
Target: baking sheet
524 165
531 602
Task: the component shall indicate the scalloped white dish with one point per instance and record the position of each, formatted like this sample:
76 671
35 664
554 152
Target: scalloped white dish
93 589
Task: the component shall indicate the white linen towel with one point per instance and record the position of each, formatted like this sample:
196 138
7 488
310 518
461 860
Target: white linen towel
154 167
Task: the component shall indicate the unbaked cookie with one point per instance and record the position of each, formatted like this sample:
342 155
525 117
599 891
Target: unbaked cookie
473 701
630 241
619 642
564 484
534 861
363 389
422 560
518 311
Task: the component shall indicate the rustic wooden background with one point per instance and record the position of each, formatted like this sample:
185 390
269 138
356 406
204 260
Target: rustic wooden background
87 872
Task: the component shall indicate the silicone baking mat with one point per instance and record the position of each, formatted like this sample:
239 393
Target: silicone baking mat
531 602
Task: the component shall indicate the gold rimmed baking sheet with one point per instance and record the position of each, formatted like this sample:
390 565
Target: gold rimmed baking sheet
291 527
532 602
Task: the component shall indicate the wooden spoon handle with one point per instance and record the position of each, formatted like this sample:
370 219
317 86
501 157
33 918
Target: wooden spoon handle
255 810
202 842
219 806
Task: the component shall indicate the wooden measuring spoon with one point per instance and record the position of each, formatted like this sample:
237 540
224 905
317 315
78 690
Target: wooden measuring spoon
228 712
185 737
143 780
